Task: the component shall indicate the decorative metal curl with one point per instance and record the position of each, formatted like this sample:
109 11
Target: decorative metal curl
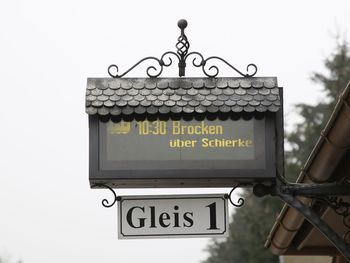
341 208
317 222
182 55
160 62
105 202
240 201
203 62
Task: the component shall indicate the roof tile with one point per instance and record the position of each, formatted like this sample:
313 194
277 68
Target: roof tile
90 98
120 92
139 95
146 103
152 109
128 110
114 97
140 110
126 84
200 109
252 91
192 91
228 92
218 103
181 103
133 103
97 103
109 103
198 84
133 92
188 109
210 83
108 92
246 83
115 111
176 109
103 97
171 103
157 103
121 103
222 84
96 92
230 102
145 92
103 111
224 108
212 109
193 103
264 91
216 91
211 97
164 110
139 84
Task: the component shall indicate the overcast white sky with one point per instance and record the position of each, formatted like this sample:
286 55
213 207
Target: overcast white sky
49 48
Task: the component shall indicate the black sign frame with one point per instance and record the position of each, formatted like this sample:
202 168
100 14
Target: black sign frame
134 178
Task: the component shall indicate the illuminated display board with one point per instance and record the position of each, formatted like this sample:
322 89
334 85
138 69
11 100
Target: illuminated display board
184 132
173 153
178 140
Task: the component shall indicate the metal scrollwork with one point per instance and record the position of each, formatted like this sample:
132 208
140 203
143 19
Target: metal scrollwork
160 64
203 63
317 222
105 201
329 194
182 55
240 201
341 208
158 71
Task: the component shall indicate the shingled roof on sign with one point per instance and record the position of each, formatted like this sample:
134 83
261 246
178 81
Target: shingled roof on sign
126 96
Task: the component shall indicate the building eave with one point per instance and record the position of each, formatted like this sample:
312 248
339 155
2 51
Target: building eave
332 145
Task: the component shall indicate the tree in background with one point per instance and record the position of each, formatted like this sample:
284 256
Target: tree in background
5 261
251 224
247 233
305 134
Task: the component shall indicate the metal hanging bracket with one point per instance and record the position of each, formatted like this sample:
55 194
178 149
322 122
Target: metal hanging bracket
328 193
240 201
182 46
105 202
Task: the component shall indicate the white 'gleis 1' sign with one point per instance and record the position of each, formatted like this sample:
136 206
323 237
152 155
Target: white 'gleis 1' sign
168 216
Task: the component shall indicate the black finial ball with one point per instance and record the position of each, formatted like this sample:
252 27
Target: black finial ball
182 23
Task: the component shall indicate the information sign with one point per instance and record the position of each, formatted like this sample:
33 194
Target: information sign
179 140
173 216
182 153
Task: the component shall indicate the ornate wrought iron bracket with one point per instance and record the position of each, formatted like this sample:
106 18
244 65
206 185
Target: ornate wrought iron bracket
240 201
327 193
116 198
318 223
105 201
182 55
